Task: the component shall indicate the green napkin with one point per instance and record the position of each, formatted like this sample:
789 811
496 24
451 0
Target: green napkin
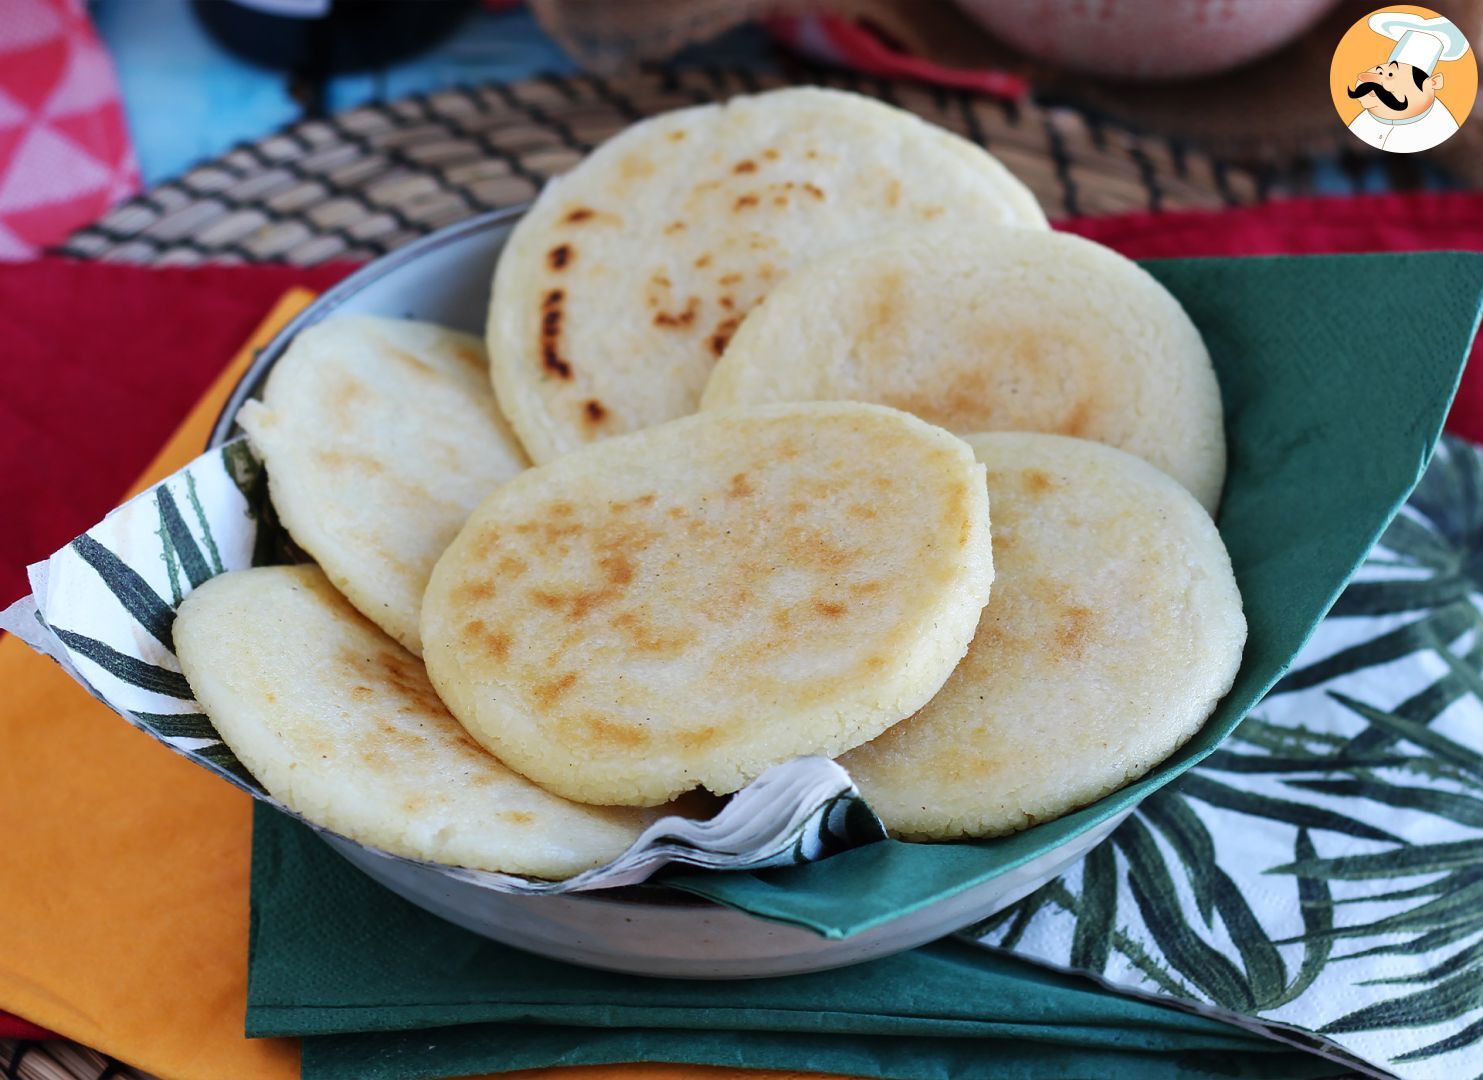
1336 373
482 1048
332 952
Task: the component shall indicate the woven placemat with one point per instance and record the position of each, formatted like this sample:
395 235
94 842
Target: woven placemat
60 1061
358 184
361 183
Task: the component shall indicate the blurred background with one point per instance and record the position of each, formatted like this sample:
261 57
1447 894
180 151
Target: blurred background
1108 104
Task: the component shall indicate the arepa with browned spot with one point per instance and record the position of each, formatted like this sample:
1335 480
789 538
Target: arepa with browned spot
380 435
340 723
689 605
980 329
1114 630
624 282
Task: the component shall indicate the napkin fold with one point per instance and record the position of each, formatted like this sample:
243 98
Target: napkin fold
426 1055
1429 221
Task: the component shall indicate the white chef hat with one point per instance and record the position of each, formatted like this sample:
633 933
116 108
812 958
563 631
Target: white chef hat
1420 42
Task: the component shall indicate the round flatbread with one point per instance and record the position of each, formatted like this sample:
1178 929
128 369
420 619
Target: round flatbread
692 604
380 435
990 329
1114 630
620 288
340 723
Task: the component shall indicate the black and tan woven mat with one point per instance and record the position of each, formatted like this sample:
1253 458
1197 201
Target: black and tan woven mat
358 184
60 1061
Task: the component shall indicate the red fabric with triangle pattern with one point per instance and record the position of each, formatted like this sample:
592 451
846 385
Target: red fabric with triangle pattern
65 154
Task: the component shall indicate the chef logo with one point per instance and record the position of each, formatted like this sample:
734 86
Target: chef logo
1403 78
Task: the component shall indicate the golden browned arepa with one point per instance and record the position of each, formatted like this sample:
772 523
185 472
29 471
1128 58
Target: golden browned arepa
340 723
380 435
1114 630
689 605
620 288
978 329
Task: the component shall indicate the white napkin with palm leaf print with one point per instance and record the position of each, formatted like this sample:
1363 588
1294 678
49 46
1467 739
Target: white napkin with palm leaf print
1322 873
103 607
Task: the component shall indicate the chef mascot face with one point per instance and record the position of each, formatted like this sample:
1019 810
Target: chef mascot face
1399 94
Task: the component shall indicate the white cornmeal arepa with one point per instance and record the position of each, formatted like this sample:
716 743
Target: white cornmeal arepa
380 435
340 723
620 288
989 329
1114 630
689 605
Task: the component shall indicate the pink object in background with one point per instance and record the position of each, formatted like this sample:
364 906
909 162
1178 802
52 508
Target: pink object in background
838 40
1123 39
1147 40
65 155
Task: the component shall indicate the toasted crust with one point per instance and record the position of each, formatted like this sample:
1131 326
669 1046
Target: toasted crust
340 723
1114 630
622 285
692 604
991 329
380 435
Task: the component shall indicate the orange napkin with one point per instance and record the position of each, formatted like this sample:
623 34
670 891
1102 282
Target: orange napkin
123 868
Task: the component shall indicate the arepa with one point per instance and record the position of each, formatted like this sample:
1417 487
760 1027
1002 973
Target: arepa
621 286
991 329
692 604
1114 630
380 435
340 723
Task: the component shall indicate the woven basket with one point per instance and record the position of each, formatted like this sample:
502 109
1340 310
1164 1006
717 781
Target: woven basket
60 1061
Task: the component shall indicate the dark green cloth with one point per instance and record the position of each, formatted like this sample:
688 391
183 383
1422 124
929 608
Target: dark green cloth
484 1048
1336 374
333 952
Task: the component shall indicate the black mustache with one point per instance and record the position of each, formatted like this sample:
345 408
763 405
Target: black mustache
1389 100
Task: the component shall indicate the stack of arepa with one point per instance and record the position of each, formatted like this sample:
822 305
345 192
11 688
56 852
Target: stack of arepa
798 432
